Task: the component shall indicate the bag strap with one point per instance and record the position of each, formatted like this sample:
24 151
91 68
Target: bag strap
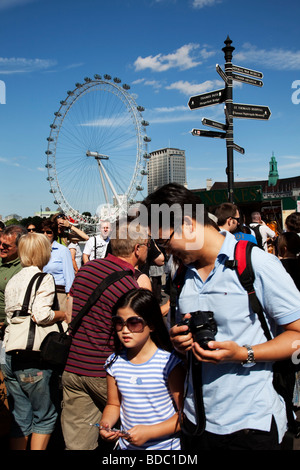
246 275
24 309
32 324
104 284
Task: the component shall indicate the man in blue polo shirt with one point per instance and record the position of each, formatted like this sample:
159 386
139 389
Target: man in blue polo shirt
242 408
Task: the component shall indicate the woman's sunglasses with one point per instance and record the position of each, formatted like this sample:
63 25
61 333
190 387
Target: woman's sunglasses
134 324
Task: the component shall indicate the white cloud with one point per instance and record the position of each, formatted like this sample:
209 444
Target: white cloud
191 89
181 59
278 59
22 65
205 3
181 113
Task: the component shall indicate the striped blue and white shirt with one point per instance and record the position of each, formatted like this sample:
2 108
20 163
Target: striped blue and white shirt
146 398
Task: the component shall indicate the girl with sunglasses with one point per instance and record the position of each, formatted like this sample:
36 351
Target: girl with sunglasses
144 378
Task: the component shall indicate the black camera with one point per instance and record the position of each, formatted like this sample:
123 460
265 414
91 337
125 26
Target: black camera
203 327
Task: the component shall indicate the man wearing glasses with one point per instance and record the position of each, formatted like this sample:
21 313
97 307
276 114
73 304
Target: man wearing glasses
242 409
9 260
228 217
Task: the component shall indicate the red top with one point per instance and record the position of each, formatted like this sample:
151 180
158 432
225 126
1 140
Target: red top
92 343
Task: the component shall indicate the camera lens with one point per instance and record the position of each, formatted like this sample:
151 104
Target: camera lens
203 327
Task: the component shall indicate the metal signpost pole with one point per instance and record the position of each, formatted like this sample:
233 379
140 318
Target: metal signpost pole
228 49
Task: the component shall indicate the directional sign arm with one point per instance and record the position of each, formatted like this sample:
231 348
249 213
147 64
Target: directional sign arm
248 80
207 99
244 71
222 73
237 148
249 111
204 133
216 124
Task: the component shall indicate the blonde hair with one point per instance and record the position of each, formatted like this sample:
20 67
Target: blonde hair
34 250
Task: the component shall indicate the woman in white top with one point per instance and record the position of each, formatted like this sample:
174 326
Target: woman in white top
27 381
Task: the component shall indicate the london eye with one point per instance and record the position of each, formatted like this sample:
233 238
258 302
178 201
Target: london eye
97 150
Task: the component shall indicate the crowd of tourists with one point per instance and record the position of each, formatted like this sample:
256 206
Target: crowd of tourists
194 372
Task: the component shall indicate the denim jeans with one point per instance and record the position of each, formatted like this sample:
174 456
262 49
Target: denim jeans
30 396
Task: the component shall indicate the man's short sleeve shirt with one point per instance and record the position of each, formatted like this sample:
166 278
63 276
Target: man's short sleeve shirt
237 397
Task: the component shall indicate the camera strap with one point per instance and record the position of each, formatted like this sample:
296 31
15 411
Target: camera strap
195 370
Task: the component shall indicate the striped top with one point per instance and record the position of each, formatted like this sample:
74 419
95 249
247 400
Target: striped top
146 398
92 343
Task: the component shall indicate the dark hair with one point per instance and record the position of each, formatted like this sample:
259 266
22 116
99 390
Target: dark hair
51 225
292 222
171 194
144 304
291 241
224 211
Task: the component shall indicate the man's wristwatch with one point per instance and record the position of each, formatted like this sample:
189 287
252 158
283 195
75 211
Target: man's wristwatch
250 361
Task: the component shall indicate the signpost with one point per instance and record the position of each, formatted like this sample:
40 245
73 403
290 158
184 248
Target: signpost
231 110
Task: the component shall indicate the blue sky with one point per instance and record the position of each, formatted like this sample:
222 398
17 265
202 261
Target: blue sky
167 51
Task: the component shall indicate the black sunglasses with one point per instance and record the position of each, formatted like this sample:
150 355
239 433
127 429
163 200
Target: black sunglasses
31 229
47 231
164 242
134 324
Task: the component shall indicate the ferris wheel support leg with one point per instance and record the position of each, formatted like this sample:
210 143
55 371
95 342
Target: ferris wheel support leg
109 181
102 180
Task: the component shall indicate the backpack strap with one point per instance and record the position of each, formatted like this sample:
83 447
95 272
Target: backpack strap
258 235
243 266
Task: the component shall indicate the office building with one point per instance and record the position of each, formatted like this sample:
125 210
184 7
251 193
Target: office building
166 166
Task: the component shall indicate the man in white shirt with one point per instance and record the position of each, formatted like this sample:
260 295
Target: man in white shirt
264 231
96 246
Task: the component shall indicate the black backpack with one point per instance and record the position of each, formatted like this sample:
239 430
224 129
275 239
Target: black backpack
256 230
